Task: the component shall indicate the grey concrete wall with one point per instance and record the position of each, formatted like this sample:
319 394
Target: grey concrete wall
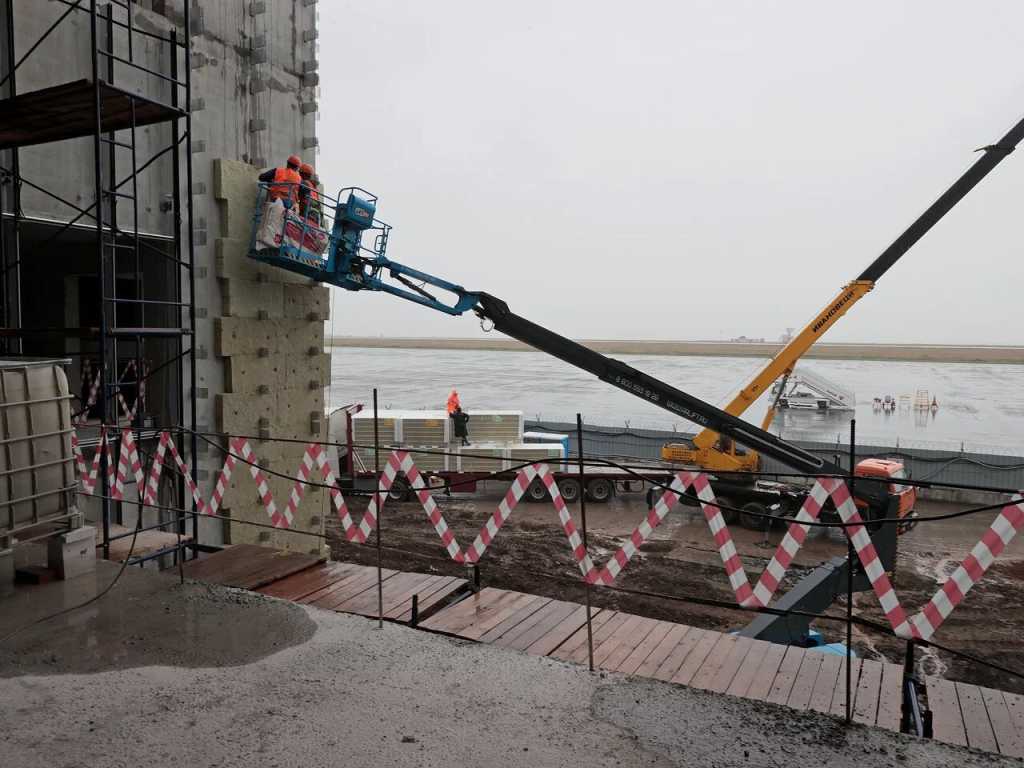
254 100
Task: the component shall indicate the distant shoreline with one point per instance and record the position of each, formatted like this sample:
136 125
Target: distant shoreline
938 353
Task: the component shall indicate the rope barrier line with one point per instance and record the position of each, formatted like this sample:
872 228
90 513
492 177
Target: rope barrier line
616 462
922 625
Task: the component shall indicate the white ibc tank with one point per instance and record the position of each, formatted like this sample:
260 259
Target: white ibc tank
37 472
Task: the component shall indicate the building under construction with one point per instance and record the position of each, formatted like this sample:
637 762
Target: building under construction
153 303
125 130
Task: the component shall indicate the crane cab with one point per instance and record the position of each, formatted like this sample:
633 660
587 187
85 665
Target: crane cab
893 471
724 456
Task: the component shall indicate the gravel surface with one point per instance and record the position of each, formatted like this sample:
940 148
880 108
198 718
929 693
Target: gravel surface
162 675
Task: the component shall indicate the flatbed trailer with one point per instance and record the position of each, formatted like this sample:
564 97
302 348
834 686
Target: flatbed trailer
742 491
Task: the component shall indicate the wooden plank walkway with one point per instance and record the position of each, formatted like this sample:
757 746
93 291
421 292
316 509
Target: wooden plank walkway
701 658
973 716
798 678
307 579
248 566
349 588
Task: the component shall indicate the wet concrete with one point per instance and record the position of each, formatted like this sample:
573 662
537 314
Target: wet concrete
148 618
351 694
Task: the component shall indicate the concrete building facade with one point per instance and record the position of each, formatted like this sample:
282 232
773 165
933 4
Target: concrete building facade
256 341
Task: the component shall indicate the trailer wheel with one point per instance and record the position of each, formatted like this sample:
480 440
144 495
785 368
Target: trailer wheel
729 515
599 490
536 491
752 521
399 490
569 488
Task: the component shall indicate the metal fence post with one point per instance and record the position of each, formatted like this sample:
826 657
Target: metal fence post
849 581
583 525
909 664
380 509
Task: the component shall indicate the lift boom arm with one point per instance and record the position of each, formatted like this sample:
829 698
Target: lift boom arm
351 266
852 292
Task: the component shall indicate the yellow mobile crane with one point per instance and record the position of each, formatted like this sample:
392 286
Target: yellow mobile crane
713 452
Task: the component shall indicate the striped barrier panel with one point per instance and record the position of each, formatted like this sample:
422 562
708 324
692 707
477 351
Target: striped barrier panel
923 625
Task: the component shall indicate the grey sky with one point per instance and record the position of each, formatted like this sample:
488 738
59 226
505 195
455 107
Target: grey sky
686 169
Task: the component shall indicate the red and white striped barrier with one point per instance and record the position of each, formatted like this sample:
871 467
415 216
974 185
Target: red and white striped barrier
1004 528
140 388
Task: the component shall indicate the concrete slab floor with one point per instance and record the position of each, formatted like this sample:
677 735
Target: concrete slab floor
161 674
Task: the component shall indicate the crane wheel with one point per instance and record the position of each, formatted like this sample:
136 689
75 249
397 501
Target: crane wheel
569 488
600 490
752 521
536 491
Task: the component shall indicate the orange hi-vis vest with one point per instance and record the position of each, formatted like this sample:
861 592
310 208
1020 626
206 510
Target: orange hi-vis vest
285 182
312 202
453 403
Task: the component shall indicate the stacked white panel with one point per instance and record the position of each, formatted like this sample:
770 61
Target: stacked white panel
482 458
495 426
427 429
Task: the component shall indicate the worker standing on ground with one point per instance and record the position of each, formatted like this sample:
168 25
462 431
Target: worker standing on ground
283 182
453 402
309 195
460 424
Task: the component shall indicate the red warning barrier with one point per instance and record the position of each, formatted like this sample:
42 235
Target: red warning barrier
1004 528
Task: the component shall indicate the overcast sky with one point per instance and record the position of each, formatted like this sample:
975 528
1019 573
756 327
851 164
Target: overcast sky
685 169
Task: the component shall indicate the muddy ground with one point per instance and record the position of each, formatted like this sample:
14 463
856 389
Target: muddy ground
531 554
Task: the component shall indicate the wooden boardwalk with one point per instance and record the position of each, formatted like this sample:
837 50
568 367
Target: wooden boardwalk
700 658
349 588
307 579
248 566
972 716
801 679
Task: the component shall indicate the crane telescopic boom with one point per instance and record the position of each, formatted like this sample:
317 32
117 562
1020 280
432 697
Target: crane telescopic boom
783 362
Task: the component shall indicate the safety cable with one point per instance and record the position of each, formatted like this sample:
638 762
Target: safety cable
753 514
599 461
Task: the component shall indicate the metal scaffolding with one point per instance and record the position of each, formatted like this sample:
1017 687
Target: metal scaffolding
141 287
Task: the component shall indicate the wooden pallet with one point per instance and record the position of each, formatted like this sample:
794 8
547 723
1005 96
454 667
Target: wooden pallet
972 716
146 542
701 658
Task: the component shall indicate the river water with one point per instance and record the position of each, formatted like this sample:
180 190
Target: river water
979 406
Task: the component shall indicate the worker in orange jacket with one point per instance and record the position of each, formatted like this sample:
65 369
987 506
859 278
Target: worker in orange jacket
283 182
309 195
453 402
